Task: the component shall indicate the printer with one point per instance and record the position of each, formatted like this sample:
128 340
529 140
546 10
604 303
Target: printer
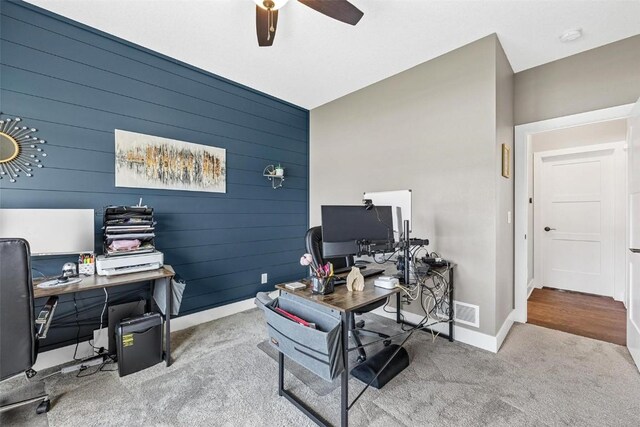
123 264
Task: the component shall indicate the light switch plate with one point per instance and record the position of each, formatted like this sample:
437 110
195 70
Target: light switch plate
264 278
509 217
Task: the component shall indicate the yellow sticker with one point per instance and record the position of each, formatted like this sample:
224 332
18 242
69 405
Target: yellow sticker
127 340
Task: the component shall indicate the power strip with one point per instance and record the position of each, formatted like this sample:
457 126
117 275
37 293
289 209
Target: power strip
98 360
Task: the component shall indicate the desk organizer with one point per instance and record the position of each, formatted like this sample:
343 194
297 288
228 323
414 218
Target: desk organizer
318 350
87 264
128 224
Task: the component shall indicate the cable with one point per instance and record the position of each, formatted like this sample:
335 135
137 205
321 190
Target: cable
409 295
375 208
120 298
104 308
384 260
38 271
107 361
75 306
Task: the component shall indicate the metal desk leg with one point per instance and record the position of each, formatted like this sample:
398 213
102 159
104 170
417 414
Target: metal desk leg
451 314
167 323
314 416
280 374
344 380
398 303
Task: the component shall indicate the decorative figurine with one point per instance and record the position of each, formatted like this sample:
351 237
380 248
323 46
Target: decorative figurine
355 280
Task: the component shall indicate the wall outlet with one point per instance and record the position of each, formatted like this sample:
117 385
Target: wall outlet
264 278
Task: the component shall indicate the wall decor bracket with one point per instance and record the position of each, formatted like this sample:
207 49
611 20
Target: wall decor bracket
275 174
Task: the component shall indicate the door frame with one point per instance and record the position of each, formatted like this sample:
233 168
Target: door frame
522 144
619 178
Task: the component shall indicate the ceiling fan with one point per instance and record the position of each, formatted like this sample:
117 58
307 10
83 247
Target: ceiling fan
267 15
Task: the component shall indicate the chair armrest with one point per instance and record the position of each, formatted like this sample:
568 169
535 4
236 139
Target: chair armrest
43 321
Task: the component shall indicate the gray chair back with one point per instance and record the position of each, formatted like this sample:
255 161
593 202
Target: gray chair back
17 323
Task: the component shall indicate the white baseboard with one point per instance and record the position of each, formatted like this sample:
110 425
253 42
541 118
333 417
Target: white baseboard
504 329
464 335
64 355
531 286
195 319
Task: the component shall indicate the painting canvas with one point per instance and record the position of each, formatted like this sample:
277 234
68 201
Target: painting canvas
145 161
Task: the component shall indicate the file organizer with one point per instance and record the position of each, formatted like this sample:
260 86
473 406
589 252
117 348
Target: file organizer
318 350
128 223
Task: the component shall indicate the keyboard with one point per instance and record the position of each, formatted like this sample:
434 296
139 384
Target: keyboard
369 272
372 272
348 269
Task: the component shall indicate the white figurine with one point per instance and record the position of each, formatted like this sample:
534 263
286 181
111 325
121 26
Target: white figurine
355 280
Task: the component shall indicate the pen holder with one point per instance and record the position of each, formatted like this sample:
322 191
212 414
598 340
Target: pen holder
322 285
87 264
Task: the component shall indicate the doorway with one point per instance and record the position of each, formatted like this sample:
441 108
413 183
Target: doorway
579 219
523 171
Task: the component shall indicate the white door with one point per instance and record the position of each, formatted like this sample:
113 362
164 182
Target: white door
633 304
576 220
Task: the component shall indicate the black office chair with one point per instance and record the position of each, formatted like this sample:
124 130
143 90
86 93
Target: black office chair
19 329
313 242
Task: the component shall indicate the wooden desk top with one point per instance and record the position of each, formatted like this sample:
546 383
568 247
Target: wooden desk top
343 300
98 282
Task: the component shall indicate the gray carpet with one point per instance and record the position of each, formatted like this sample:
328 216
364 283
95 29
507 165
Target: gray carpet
220 377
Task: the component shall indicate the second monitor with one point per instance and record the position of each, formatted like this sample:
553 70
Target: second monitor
344 226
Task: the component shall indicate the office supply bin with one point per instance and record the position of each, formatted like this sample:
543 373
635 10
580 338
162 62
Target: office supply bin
318 350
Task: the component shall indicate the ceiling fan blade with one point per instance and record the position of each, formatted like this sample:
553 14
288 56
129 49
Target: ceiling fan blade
265 22
341 10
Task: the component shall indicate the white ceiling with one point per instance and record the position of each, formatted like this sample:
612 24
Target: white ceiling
316 59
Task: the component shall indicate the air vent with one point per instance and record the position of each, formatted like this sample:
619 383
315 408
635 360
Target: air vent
467 314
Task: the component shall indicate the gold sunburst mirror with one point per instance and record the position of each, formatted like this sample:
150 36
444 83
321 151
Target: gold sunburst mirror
20 150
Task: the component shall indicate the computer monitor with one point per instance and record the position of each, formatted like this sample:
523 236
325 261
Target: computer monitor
400 202
343 226
51 231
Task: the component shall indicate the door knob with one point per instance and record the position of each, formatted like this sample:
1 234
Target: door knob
548 229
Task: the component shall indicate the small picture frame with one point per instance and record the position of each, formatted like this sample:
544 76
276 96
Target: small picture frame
506 161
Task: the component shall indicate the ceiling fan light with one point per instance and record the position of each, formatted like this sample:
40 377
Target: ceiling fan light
277 4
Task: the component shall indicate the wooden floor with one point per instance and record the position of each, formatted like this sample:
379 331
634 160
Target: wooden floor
592 316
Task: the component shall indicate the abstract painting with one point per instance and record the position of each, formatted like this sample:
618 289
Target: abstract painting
145 161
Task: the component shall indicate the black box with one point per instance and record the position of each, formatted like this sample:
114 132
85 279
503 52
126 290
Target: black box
139 343
117 313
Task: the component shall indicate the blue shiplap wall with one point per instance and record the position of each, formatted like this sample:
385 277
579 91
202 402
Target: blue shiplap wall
76 85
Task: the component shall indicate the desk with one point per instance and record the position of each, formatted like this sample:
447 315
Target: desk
344 302
99 282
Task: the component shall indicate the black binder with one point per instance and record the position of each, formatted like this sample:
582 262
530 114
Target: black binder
139 343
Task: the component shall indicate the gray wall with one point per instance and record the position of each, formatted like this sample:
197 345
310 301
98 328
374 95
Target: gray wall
599 78
577 136
432 129
504 186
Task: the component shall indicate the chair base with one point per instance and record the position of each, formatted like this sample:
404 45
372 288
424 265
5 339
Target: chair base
42 408
357 330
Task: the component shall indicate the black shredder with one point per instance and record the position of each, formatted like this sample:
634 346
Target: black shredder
139 343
